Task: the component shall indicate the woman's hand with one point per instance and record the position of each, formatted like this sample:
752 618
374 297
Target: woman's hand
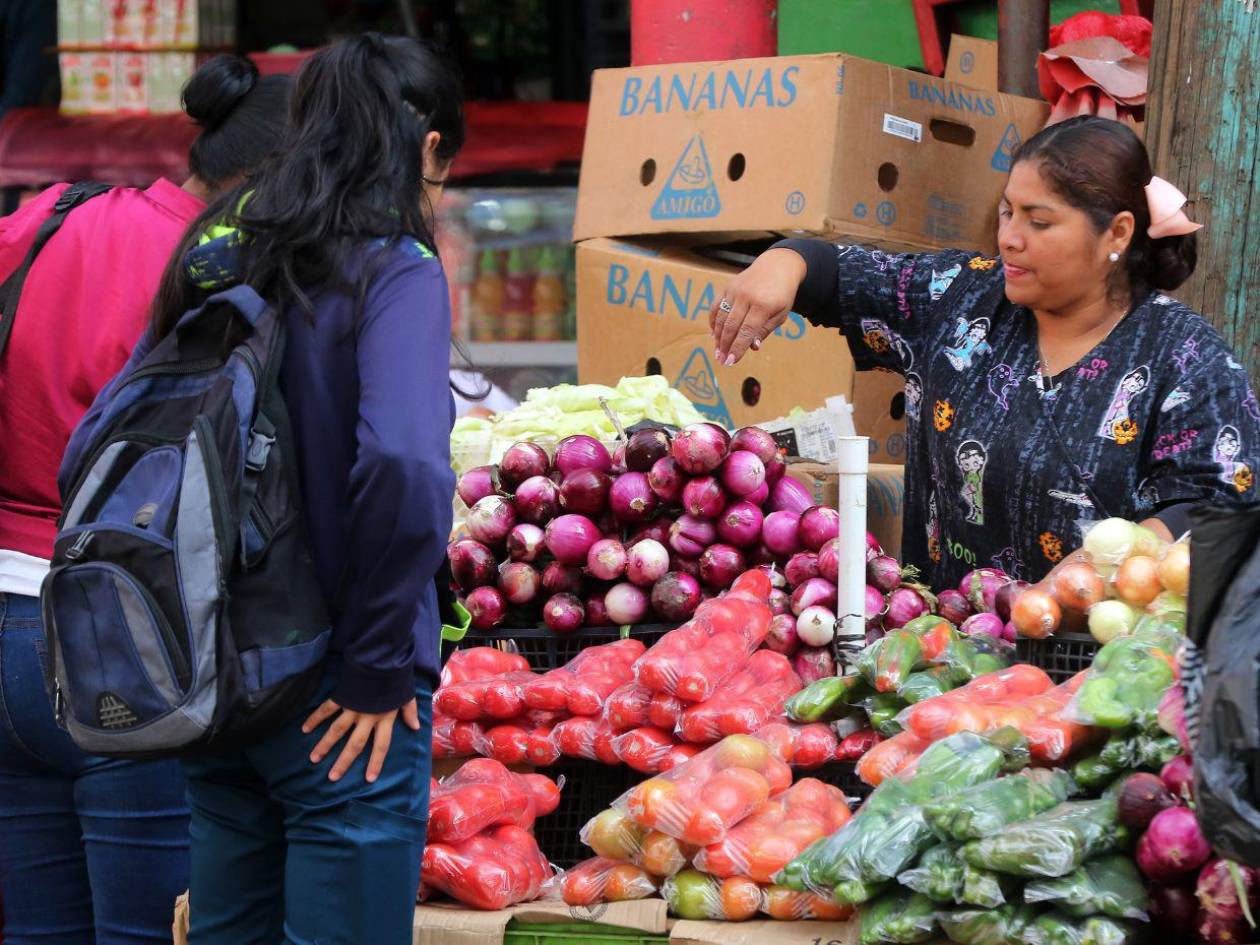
377 726
755 303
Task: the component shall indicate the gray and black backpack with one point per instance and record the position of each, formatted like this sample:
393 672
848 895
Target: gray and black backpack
182 611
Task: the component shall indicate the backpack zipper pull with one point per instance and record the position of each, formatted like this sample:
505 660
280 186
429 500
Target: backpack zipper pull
79 548
59 714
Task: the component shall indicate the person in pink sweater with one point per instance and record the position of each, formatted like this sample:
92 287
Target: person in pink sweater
94 850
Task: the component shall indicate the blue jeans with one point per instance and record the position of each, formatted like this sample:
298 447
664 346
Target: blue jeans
282 854
92 851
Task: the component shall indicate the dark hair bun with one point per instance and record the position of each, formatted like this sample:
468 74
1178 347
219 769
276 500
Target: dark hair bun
1172 261
217 88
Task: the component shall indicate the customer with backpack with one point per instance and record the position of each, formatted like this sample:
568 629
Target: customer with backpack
311 827
94 850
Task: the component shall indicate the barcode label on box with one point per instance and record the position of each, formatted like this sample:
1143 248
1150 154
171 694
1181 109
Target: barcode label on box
903 128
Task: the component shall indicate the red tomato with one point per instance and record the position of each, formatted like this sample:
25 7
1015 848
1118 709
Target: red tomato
778 775
605 746
508 743
705 826
677 755
815 745
548 691
542 750
664 711
545 792
504 698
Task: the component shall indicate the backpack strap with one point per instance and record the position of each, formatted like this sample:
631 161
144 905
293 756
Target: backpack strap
11 289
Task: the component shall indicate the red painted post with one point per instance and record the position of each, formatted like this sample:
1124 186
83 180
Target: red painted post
701 30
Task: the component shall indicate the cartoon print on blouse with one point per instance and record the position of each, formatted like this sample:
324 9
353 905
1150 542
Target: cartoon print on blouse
969 342
1251 405
1147 493
941 281
943 417
903 351
933 530
876 335
1079 499
1051 547
1117 425
1001 382
1176 397
1225 454
914 396
982 263
1007 561
1189 351
972 458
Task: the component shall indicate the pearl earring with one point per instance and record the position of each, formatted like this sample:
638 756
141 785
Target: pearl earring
1114 257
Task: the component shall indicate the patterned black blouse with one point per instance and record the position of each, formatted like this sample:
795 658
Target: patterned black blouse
1004 469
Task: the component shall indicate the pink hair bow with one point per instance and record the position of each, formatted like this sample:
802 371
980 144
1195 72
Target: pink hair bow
1167 216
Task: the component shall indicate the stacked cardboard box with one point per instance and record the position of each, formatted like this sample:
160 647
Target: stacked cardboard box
680 159
134 56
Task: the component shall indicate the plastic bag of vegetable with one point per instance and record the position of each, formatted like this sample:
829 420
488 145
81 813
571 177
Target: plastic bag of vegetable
1050 844
1002 926
788 905
583 685
777 832
695 895
890 831
1126 750
987 889
492 870
899 917
692 661
935 681
744 702
600 880
889 757
944 715
827 700
1109 885
938 875
889 661
883 709
483 793
1057 928
985 809
615 835
699 800
1128 679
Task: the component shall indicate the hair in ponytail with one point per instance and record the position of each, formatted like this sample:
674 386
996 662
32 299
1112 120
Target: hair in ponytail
1102 168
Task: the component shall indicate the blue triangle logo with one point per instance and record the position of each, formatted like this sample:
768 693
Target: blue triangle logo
690 191
699 384
1004 156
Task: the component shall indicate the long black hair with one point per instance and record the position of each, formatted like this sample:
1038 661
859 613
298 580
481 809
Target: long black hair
1101 167
348 170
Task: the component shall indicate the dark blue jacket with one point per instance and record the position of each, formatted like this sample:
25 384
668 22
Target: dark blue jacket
371 406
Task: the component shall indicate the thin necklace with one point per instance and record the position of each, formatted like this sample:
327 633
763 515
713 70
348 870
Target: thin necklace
1043 367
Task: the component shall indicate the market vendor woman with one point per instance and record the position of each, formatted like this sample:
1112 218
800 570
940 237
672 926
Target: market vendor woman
1046 390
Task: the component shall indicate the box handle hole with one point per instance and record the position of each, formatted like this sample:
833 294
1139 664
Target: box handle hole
897 409
652 368
888 176
952 132
750 392
736 166
647 173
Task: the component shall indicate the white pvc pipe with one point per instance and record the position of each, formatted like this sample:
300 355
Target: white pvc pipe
853 462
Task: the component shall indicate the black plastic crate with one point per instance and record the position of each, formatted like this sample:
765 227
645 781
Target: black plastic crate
545 649
841 774
589 788
1062 656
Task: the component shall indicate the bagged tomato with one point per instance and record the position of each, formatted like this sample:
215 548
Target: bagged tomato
942 716
627 707
890 757
693 895
643 749
600 880
479 662
586 737
541 749
453 739
692 661
743 703
852 747
492 870
483 793
506 744
664 711
583 685
813 745
699 800
777 832
788 905
615 835
492 698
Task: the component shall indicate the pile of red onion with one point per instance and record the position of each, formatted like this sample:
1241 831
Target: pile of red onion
591 538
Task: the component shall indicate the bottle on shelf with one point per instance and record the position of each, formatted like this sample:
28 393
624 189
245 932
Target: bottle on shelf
518 303
488 293
549 299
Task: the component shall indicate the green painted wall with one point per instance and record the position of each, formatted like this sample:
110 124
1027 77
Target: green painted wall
884 30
